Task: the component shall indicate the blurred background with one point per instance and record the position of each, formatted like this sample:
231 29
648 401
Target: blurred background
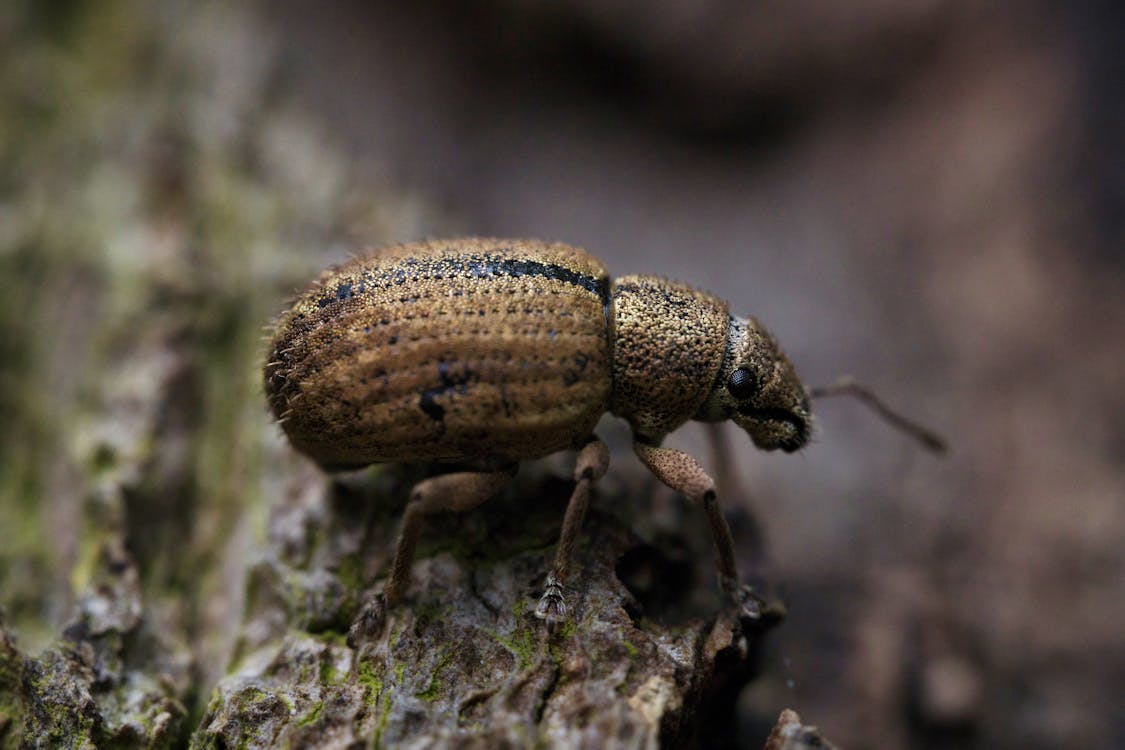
926 194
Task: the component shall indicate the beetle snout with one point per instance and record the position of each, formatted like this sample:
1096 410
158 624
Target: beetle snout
771 428
779 419
800 437
802 427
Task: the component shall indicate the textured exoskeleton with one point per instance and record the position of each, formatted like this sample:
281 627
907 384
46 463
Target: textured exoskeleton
487 351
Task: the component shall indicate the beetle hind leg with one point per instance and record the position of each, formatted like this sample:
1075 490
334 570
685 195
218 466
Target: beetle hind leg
460 491
593 461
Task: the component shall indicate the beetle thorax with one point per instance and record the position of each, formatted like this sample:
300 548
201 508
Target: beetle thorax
668 345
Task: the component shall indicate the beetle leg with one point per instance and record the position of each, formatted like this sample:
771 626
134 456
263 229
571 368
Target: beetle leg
727 480
683 474
458 492
593 460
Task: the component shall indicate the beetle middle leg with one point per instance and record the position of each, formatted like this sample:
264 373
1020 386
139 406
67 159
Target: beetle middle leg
593 460
460 491
683 474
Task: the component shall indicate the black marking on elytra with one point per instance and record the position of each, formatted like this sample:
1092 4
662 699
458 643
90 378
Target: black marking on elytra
573 376
451 382
344 290
487 266
432 410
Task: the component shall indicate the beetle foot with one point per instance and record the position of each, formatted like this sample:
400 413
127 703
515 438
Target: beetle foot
552 605
369 622
753 607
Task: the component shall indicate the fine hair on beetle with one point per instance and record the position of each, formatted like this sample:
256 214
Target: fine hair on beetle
487 352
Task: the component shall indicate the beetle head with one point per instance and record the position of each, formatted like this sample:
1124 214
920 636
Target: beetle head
759 390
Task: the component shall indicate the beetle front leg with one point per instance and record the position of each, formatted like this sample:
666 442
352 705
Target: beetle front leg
457 492
593 460
727 479
683 474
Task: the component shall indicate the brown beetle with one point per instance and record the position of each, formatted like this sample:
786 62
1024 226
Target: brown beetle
487 352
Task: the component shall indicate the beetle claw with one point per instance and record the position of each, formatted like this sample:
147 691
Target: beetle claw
552 605
748 603
369 622
752 606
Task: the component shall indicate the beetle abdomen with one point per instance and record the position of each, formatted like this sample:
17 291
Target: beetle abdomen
453 350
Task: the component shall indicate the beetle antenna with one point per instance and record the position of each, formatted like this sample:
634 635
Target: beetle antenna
848 386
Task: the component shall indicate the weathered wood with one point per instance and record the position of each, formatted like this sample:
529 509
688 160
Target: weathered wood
464 660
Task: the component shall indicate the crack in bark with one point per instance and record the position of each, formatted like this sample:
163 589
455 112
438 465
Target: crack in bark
475 591
546 693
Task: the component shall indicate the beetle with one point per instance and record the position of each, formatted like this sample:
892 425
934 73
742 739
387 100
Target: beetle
488 352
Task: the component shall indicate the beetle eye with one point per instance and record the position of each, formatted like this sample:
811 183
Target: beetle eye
742 384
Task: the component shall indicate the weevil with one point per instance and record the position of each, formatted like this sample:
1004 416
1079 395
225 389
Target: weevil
489 352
